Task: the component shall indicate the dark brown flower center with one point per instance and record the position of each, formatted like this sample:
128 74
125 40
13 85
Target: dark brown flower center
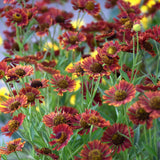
43 26
120 95
61 137
111 50
59 119
30 97
11 147
79 70
155 103
96 67
36 84
128 24
147 46
107 60
73 39
95 154
152 10
1 73
93 120
90 6
20 72
29 14
14 105
17 17
15 46
13 125
130 10
84 124
117 139
113 2
141 114
46 150
123 20
62 83
60 19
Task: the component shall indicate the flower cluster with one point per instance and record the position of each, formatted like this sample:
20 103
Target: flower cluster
90 92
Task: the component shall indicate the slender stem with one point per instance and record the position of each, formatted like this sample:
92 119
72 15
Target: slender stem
17 155
95 90
145 134
82 93
155 137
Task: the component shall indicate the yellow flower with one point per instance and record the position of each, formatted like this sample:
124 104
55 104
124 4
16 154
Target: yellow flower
133 2
78 85
3 95
145 21
73 100
1 41
94 53
77 23
49 45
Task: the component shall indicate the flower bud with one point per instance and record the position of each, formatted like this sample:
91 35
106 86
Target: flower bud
137 27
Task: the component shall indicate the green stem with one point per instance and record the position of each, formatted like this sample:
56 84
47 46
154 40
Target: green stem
95 90
82 94
145 134
155 137
17 155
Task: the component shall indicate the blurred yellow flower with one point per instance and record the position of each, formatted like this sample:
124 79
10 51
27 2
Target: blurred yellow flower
78 85
145 21
94 53
77 23
4 95
1 41
73 100
49 45
133 2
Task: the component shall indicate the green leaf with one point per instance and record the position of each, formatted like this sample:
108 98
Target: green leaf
124 75
28 36
150 150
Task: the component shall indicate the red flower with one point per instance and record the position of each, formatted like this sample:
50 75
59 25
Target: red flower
92 117
62 134
88 118
110 3
110 64
44 23
17 16
90 6
76 69
12 146
96 150
8 1
70 40
20 71
47 152
54 119
31 94
119 94
37 83
63 84
150 101
13 104
3 69
47 68
92 67
69 110
111 49
138 115
113 135
13 125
